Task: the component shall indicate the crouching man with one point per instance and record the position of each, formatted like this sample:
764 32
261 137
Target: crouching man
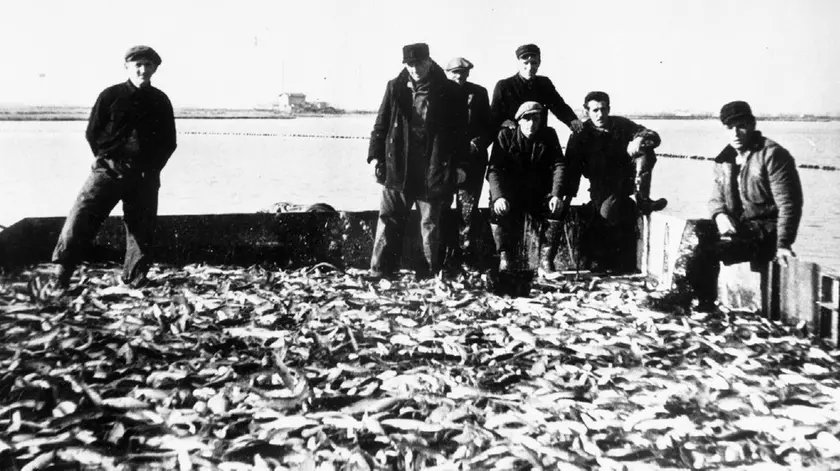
419 147
131 133
757 199
526 176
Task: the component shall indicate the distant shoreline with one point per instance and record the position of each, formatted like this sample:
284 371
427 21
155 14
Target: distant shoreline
48 113
72 113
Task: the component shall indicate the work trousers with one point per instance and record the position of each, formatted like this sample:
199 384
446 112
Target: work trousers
98 196
394 211
468 220
611 196
508 228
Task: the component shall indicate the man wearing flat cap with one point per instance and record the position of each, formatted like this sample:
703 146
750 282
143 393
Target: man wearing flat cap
526 85
420 147
480 135
131 132
526 176
757 198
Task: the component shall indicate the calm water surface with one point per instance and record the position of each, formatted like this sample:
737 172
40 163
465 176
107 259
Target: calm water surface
219 169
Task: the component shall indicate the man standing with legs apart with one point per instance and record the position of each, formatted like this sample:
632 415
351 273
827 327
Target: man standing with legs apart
526 85
617 156
757 198
526 176
131 132
420 148
480 134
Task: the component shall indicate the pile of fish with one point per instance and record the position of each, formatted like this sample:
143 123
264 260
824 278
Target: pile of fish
258 368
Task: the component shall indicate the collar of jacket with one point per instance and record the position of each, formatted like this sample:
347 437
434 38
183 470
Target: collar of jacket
728 154
522 81
436 75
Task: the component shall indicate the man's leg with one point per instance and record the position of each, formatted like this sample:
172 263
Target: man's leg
506 232
612 245
550 231
98 196
140 207
387 244
644 163
470 225
430 212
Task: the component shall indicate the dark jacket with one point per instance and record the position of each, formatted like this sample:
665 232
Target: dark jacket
511 92
766 188
601 155
134 127
479 130
446 124
526 171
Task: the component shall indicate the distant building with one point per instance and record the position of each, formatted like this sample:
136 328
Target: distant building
291 101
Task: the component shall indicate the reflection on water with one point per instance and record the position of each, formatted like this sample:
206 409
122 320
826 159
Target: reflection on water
45 163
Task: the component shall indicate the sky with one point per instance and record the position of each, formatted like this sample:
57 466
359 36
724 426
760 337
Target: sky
651 56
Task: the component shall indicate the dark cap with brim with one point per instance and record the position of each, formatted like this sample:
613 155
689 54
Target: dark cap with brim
142 52
529 107
736 112
527 50
415 52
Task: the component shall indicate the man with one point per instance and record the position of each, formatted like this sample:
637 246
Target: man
617 156
526 85
419 146
757 199
480 135
131 132
526 175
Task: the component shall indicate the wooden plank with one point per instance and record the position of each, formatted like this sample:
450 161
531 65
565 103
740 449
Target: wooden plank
807 293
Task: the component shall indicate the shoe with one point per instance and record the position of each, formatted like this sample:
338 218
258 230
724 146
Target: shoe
647 206
140 281
377 274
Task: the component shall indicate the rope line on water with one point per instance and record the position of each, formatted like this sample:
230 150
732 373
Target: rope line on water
829 168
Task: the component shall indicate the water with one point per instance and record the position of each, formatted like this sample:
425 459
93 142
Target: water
43 164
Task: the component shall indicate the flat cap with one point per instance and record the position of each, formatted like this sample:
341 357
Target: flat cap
736 112
415 52
527 49
458 63
529 107
142 52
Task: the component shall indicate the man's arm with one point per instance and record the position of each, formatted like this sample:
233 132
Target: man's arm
498 108
168 139
559 170
497 167
97 121
376 151
482 117
575 164
717 200
557 105
461 120
786 189
648 138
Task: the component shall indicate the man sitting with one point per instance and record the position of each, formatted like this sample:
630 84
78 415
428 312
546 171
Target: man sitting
526 175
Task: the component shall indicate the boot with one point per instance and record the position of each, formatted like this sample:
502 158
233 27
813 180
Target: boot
548 248
62 276
644 204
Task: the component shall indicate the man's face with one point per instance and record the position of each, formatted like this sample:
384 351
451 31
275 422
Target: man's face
740 134
530 123
458 76
598 112
140 71
528 66
418 69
